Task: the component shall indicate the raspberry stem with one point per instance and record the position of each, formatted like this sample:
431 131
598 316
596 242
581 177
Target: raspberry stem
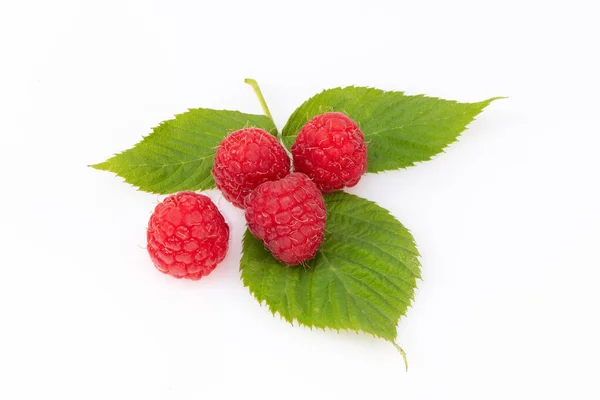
260 96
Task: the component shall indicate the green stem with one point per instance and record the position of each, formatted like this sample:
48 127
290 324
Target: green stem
260 96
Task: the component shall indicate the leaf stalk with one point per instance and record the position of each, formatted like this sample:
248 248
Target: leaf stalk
260 96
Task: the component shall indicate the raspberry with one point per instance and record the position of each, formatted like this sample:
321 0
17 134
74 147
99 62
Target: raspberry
245 159
331 150
187 236
289 216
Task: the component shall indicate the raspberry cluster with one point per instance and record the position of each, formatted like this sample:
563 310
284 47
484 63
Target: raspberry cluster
188 236
331 150
289 216
245 159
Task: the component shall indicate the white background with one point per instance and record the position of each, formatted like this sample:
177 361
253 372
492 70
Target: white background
507 220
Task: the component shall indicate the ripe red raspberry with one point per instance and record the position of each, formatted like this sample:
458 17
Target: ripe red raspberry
289 216
245 159
331 150
187 236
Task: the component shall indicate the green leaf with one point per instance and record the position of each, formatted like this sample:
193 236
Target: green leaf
399 130
362 278
178 154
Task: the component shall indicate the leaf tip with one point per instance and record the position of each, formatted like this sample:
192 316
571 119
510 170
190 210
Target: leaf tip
403 353
491 100
103 166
